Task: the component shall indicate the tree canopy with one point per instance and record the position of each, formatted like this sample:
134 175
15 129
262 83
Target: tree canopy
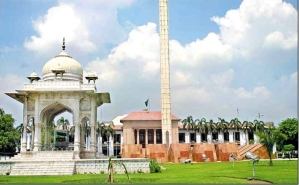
289 127
268 137
9 136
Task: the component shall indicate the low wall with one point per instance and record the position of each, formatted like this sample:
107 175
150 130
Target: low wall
132 151
223 151
179 152
204 148
101 166
157 152
5 167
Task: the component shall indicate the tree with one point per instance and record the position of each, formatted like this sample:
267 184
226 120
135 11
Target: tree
235 124
111 169
268 137
289 127
109 131
259 125
189 123
247 128
9 136
200 125
100 128
63 122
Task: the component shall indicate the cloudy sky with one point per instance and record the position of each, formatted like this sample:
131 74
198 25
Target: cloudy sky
224 55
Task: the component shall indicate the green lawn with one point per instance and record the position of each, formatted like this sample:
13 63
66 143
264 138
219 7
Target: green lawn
283 172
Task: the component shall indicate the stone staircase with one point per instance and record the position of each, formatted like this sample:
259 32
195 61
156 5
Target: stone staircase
246 148
43 163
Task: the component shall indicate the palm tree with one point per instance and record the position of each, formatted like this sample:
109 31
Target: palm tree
200 125
109 132
100 129
221 126
259 125
63 122
72 131
247 127
189 123
235 124
268 138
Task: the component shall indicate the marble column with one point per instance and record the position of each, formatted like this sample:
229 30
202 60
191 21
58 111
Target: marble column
37 137
37 134
100 145
138 137
146 136
92 125
25 122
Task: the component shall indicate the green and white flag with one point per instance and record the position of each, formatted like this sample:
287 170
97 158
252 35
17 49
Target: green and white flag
146 102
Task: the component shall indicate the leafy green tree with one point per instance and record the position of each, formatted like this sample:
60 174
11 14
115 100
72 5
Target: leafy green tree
289 127
268 137
9 136
63 122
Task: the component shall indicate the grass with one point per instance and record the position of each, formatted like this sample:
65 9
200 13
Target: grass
283 172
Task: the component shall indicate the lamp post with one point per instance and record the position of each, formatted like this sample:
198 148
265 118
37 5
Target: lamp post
255 159
234 157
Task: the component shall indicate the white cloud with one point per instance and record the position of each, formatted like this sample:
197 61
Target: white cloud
209 51
60 21
9 84
276 40
87 26
256 22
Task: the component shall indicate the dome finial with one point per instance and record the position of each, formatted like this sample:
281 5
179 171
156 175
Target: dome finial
63 44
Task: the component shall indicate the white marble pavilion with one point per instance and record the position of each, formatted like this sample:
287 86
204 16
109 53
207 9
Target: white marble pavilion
60 89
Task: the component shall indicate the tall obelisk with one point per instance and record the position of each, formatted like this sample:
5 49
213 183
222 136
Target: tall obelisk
165 74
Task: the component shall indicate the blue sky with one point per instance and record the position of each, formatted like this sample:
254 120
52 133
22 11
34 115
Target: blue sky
224 54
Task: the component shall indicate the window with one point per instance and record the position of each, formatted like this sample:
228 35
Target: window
226 136
203 137
116 138
237 136
193 138
215 136
181 137
150 134
250 136
159 136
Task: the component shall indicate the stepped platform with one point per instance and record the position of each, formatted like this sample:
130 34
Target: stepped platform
64 163
247 148
43 163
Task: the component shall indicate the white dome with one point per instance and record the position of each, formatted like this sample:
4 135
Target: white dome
73 69
34 74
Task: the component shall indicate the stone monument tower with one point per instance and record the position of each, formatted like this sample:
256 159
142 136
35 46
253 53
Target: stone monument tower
165 74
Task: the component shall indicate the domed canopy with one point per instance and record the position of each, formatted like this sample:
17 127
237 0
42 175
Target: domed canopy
73 69
33 74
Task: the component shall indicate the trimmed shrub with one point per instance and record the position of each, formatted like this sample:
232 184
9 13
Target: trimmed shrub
154 167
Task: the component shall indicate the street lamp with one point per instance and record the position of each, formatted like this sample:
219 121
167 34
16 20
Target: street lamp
255 159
